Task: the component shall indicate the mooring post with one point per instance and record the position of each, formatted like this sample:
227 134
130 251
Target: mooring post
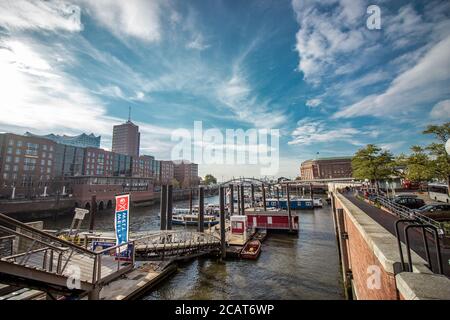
190 200
222 222
201 209
253 195
278 198
242 200
231 211
311 192
238 200
289 207
264 196
169 207
163 208
93 213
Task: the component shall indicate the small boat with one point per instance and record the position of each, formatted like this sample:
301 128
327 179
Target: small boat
192 219
251 250
318 203
260 235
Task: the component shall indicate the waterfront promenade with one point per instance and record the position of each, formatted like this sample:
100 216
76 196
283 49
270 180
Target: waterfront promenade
388 220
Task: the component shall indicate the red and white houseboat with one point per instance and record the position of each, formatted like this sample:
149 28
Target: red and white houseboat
276 220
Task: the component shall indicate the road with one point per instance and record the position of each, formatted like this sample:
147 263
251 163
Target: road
387 220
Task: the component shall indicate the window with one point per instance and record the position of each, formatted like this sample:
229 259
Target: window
42 162
8 159
11 142
50 155
44 154
16 168
18 152
19 143
16 160
7 167
10 150
5 176
49 162
49 170
51 148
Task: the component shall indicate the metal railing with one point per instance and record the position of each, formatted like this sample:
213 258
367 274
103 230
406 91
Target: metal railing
37 250
174 243
404 212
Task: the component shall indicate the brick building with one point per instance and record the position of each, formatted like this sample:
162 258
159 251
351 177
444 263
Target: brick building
27 165
186 173
126 139
166 174
326 168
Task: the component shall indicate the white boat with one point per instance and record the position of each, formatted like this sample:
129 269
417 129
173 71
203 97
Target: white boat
192 219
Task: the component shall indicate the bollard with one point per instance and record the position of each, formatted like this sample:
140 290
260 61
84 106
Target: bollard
169 207
201 209
222 223
163 208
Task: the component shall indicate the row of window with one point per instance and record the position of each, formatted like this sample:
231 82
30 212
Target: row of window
29 152
30 145
8 160
13 176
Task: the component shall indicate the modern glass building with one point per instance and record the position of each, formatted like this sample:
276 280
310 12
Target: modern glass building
83 140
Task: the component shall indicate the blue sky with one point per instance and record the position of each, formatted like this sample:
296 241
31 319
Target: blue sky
309 68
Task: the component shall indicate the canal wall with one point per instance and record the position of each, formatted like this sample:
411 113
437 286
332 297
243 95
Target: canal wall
370 260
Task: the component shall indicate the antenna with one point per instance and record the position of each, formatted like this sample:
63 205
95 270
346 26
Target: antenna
129 114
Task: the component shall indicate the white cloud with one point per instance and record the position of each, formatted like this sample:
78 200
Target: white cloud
237 95
198 43
139 19
326 33
39 96
38 14
423 83
312 103
441 110
311 131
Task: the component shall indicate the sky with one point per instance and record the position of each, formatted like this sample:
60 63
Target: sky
312 69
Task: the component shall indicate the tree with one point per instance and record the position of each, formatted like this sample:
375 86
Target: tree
440 162
210 179
175 183
372 163
417 166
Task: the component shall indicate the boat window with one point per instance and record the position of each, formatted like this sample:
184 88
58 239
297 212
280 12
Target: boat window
269 220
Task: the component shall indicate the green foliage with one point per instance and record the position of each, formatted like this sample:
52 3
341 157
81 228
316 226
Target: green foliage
440 163
417 166
210 179
372 163
175 183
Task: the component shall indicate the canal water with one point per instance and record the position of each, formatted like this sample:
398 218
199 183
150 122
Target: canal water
289 267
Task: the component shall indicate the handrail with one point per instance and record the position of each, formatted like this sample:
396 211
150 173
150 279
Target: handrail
22 225
406 213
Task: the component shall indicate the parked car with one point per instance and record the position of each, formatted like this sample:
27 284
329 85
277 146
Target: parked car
410 202
434 207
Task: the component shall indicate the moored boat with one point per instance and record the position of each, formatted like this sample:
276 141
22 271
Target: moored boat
251 250
192 220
